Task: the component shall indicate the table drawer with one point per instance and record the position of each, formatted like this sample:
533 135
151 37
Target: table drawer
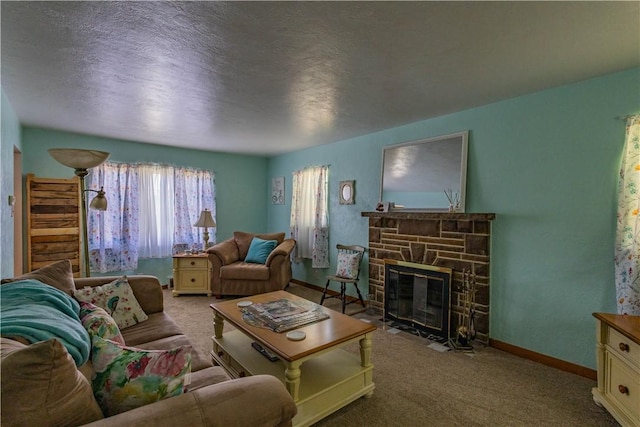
623 386
195 262
192 280
623 347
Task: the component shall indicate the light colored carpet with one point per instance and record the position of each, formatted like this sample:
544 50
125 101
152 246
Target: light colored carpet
418 386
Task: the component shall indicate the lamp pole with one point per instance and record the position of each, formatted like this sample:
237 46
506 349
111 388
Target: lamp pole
81 173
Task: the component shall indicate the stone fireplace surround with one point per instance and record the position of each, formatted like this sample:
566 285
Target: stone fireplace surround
458 241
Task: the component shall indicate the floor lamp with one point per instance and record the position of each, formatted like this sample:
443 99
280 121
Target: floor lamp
81 160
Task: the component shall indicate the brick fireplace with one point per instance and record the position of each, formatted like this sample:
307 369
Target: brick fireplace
453 240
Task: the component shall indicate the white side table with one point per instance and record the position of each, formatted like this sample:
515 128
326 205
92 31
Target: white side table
191 274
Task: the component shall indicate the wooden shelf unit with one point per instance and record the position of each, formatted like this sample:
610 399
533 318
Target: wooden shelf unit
53 221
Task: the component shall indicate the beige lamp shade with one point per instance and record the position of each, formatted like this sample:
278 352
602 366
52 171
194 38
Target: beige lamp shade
205 220
77 158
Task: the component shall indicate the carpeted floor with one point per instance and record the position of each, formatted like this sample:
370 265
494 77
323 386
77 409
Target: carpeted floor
418 386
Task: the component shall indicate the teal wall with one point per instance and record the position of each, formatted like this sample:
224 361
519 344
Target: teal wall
240 183
547 165
10 140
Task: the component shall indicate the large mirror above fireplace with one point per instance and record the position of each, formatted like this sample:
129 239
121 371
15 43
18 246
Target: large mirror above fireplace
416 174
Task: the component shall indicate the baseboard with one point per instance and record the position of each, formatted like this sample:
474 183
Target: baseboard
544 359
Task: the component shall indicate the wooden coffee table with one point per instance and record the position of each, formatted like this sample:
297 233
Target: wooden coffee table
320 376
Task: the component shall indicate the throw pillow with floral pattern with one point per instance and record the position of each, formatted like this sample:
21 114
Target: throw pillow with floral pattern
125 378
97 322
348 265
117 299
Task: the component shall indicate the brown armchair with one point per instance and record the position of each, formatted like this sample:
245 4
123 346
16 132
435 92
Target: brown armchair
232 276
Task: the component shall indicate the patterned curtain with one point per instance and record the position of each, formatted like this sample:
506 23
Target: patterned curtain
309 215
194 189
113 234
627 250
151 211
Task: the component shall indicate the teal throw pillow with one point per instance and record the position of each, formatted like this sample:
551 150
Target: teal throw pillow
259 250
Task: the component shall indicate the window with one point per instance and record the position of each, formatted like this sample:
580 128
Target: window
151 210
309 215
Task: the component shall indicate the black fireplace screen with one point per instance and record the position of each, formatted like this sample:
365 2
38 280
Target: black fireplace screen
419 296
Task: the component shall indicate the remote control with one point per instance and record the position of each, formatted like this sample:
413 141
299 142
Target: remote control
263 351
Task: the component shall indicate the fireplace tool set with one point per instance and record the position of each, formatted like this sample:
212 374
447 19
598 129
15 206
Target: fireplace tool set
466 330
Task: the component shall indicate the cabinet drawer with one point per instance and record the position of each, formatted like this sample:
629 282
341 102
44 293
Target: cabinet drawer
196 279
187 262
624 347
622 385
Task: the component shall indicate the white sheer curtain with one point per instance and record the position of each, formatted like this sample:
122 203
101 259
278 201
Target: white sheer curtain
157 202
309 215
627 251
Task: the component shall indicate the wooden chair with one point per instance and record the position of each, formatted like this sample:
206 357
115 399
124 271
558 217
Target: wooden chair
347 271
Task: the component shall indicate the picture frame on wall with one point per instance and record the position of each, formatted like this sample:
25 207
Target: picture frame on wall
347 192
277 190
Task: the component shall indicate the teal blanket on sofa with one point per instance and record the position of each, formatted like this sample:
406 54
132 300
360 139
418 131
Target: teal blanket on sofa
39 312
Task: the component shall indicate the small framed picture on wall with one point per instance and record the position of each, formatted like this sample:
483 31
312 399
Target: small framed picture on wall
346 192
277 190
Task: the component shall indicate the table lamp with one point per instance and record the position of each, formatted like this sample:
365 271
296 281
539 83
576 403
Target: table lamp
205 221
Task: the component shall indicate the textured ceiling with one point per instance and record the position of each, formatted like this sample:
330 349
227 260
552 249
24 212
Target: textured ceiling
273 77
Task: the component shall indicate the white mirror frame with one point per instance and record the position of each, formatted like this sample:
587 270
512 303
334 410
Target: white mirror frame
346 193
441 157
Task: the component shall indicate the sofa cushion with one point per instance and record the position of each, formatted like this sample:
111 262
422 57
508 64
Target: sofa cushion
42 386
259 250
243 240
125 378
207 376
59 275
348 265
198 360
97 322
117 298
244 271
157 326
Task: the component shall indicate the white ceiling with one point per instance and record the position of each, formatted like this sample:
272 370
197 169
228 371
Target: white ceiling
273 77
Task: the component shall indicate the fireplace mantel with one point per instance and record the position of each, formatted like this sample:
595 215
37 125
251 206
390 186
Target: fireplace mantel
459 241
431 215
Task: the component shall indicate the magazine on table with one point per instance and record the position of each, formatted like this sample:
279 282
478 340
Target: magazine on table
284 314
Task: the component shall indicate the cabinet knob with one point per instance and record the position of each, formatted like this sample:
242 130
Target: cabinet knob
193 280
193 263
624 346
623 389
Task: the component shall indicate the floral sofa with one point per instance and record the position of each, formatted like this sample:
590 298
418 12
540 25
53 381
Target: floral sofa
141 372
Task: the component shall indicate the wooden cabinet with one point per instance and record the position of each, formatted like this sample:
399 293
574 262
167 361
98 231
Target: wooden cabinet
618 354
53 222
191 274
